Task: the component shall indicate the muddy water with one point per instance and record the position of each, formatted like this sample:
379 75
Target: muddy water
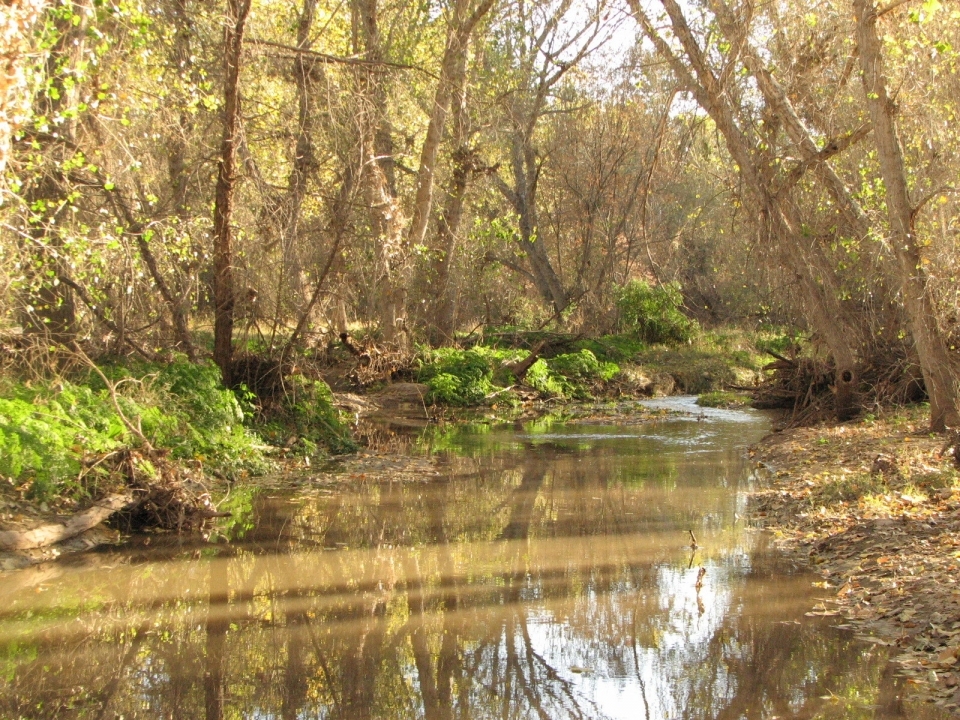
541 571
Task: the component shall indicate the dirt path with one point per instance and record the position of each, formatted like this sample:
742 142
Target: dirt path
874 508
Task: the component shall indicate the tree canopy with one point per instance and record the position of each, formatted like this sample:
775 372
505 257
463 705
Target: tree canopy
270 172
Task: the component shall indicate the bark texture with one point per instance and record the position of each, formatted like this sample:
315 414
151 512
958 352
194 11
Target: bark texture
223 290
16 21
935 361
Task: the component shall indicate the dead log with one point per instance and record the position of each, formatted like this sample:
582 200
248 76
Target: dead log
519 368
362 355
58 532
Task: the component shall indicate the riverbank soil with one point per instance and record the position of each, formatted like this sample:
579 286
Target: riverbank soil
874 508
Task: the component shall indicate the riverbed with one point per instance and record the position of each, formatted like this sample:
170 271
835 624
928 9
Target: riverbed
541 569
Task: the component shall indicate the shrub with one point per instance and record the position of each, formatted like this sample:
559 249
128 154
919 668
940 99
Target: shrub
613 348
583 365
462 377
183 407
46 430
545 381
309 407
653 313
44 434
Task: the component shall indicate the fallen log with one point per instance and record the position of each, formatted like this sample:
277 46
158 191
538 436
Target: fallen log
519 369
58 532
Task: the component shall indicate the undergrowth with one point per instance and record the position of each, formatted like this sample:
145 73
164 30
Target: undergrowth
52 434
307 413
469 377
653 313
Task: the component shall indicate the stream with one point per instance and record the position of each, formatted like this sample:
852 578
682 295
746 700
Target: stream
541 570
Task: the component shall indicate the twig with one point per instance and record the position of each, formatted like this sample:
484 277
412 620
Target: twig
112 389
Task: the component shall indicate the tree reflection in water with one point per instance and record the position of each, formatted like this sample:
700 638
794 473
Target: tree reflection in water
542 579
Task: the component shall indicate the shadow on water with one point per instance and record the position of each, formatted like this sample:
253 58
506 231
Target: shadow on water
546 573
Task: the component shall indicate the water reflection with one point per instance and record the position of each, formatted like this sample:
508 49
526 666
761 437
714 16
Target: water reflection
545 574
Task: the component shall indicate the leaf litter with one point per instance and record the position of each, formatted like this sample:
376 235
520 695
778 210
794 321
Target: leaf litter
874 509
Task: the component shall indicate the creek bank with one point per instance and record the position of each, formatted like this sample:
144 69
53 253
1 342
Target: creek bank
57 437
873 507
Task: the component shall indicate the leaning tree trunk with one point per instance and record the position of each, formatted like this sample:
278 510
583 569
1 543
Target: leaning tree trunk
816 281
935 361
223 292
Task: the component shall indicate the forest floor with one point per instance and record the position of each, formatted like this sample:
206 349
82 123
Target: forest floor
874 508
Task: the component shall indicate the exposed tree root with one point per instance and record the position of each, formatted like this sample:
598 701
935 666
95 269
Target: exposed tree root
165 495
807 387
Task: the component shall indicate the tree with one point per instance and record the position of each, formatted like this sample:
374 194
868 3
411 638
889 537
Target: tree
819 286
935 361
223 257
16 24
541 44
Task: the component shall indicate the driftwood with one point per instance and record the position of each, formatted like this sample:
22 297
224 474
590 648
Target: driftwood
58 532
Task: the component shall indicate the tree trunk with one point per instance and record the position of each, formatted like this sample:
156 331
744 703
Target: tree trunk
448 234
523 197
935 361
223 291
777 101
304 160
58 532
816 279
452 70
386 217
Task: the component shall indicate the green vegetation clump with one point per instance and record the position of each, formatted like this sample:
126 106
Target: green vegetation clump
464 377
183 407
47 430
723 399
583 365
307 410
467 377
653 313
44 433
613 348
545 381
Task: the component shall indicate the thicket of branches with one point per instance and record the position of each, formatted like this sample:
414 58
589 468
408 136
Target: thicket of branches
276 171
